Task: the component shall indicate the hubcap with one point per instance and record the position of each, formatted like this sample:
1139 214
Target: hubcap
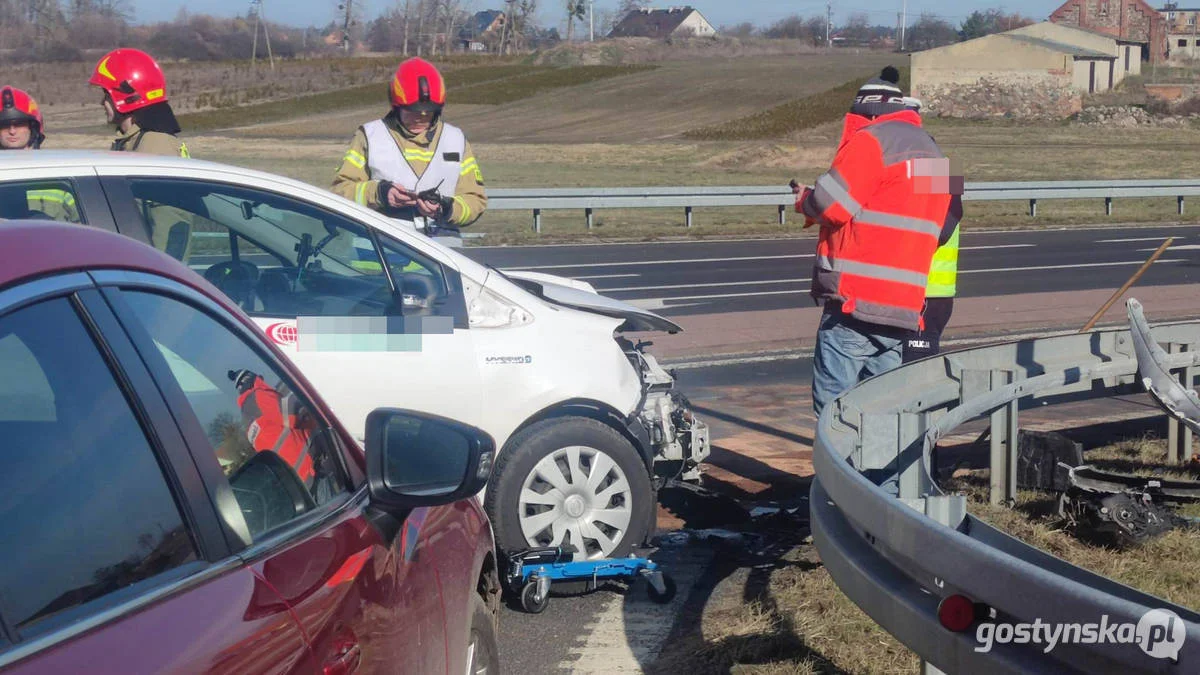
576 496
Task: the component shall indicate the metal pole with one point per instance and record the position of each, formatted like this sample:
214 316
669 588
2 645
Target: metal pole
254 49
903 23
828 25
1132 280
591 20
267 35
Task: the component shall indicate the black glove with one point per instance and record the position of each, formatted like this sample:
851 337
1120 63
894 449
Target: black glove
385 186
447 207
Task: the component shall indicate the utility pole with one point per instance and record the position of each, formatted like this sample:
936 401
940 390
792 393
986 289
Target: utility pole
828 25
591 20
349 7
903 23
257 7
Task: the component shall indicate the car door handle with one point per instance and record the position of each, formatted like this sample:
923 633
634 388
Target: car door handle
346 661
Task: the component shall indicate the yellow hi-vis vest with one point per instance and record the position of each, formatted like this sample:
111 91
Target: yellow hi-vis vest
943 273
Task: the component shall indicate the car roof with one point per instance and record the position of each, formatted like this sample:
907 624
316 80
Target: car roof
30 249
35 248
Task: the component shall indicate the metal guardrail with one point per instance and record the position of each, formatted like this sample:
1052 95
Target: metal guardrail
897 545
588 200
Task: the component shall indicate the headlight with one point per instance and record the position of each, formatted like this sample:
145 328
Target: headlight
489 310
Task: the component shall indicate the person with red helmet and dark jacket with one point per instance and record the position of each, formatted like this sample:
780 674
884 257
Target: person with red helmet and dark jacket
882 207
411 165
135 101
21 124
22 128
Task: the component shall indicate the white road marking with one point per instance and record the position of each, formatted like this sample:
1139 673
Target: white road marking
653 302
1122 241
718 284
1185 247
662 262
1067 267
608 276
984 248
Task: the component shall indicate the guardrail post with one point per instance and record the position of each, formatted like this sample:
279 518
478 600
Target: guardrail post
1033 208
782 214
1179 203
1179 435
687 215
587 215
1108 206
1002 472
537 221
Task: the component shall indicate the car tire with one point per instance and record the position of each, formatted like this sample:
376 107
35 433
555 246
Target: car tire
483 651
603 515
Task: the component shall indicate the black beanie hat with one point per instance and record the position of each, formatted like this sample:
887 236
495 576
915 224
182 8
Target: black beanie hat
880 95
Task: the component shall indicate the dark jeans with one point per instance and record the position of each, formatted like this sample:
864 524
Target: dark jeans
926 343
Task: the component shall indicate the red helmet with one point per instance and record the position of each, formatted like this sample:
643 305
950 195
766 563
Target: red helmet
132 79
18 106
418 86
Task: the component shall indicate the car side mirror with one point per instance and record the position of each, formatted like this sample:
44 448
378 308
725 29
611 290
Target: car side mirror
415 459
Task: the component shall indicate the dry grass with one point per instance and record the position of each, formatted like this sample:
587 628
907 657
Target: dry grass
1163 567
799 623
791 117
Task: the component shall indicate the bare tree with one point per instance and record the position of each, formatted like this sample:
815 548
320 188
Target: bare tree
576 11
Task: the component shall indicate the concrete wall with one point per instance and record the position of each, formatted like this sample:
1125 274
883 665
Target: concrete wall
997 76
1189 49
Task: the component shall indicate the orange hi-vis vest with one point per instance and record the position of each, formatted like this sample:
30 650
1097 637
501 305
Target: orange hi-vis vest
881 207
271 426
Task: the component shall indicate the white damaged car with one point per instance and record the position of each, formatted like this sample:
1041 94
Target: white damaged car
376 314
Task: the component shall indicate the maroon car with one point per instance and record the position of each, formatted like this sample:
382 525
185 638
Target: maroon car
174 496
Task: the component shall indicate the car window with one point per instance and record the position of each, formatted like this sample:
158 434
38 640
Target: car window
279 456
85 509
41 200
280 257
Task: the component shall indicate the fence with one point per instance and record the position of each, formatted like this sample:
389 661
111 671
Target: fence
688 198
899 547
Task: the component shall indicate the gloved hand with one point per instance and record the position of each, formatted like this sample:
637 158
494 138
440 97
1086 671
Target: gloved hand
801 195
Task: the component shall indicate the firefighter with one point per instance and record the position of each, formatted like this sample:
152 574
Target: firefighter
275 422
881 208
135 101
22 128
412 152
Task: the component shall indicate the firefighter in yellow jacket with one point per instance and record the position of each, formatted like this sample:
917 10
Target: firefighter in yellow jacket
135 103
413 166
22 128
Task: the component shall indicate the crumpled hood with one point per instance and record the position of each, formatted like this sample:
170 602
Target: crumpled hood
583 296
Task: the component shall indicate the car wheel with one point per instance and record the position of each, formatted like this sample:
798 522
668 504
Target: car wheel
483 652
571 481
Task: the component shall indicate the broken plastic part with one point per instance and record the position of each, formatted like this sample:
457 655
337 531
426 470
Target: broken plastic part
1179 401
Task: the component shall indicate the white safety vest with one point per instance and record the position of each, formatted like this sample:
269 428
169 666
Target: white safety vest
385 160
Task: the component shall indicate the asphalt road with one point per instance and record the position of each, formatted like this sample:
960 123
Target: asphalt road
703 277
616 630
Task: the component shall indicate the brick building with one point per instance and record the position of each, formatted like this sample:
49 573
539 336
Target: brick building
1126 20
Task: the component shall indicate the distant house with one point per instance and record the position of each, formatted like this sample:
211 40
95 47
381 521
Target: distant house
1128 20
663 23
1183 33
482 31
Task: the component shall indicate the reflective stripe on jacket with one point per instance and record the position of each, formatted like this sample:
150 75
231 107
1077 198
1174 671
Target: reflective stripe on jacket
881 207
943 273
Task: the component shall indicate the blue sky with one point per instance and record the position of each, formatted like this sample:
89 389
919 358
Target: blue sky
320 12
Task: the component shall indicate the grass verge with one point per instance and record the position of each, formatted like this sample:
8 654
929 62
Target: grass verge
1163 567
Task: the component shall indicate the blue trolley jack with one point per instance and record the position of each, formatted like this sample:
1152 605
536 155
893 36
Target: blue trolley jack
533 570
